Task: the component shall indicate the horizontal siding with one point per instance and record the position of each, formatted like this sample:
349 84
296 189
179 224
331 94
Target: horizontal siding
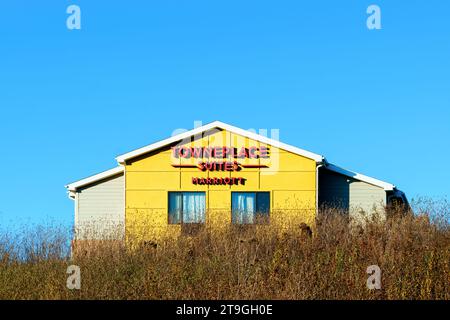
101 210
366 197
355 196
290 178
334 190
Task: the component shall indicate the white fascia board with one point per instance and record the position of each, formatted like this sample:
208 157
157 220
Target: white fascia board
71 194
217 124
357 176
72 187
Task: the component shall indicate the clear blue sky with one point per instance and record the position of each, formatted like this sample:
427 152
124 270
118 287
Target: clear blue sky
377 102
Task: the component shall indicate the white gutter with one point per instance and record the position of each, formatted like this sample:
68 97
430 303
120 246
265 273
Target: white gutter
317 187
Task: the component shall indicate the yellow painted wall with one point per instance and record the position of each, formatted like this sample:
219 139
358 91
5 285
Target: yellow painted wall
290 178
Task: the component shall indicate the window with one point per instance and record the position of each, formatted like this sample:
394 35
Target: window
187 207
250 207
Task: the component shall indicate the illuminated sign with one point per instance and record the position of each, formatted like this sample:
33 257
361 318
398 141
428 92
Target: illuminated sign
253 152
220 152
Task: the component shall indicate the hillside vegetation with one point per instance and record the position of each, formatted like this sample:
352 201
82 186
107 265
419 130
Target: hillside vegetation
412 251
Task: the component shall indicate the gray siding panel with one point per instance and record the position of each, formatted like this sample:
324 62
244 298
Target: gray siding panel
101 210
352 195
334 190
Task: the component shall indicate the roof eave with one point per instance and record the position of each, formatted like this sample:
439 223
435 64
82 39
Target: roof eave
217 124
357 176
74 186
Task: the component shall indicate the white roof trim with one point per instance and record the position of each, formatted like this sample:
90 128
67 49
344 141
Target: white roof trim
217 124
72 187
357 176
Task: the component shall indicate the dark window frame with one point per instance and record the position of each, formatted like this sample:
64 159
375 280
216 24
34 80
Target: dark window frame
181 211
259 219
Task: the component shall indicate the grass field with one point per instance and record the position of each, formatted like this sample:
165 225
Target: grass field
413 252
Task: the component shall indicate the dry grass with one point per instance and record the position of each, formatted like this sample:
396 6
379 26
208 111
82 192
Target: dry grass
413 253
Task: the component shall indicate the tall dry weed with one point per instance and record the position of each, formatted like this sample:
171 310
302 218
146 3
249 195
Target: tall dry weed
412 250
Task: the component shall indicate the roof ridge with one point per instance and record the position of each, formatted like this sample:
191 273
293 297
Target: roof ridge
217 124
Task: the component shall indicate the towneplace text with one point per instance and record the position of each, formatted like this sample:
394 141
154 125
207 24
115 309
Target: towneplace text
222 152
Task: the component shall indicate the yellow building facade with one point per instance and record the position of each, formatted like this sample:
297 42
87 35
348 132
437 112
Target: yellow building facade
217 176
217 163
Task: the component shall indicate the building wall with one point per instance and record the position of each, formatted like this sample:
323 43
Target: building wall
290 179
355 196
100 209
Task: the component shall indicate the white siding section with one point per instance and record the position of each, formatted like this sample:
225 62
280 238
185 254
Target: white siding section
366 198
101 210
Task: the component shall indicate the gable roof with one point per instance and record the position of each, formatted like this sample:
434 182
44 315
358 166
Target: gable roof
217 124
72 187
357 176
